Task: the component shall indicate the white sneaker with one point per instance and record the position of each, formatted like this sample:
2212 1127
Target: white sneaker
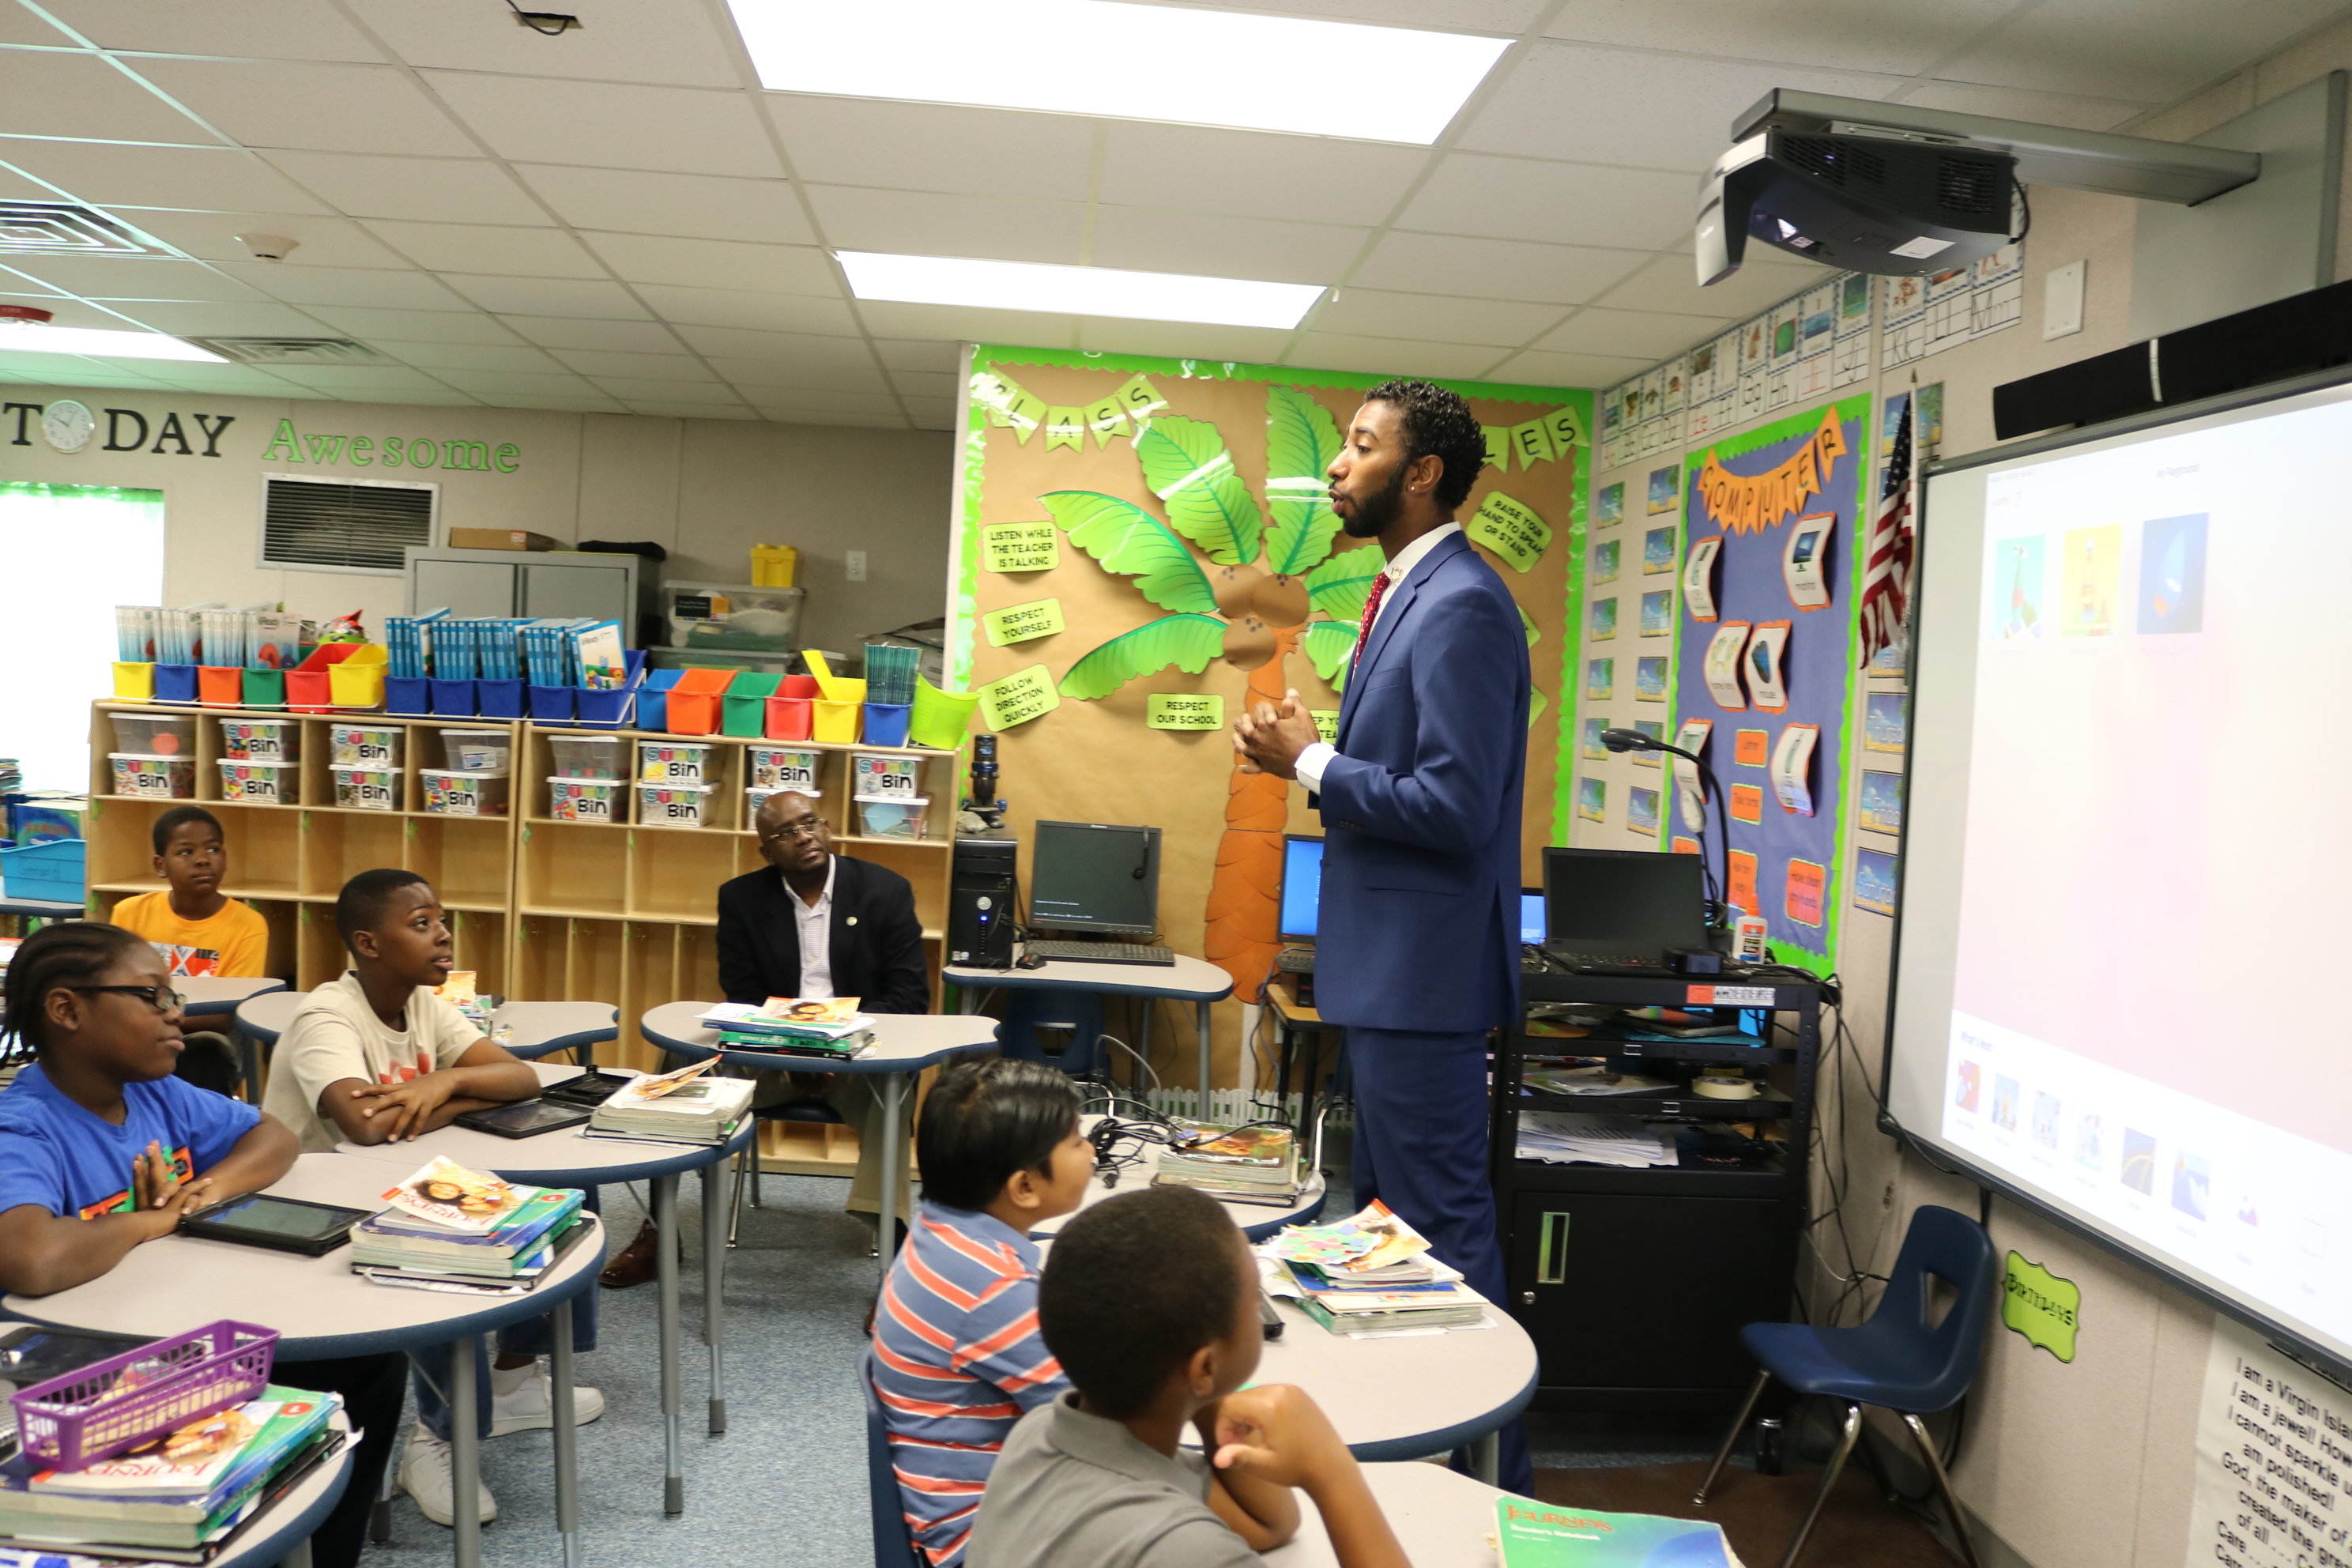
532 1407
425 1475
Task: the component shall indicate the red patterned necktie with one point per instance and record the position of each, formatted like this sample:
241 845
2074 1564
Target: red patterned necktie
1371 613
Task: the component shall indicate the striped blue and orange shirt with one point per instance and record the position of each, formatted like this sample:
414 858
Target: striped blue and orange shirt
956 1361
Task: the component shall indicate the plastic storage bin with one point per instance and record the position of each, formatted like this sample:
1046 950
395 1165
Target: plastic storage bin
652 699
589 756
790 719
753 798
774 565
671 804
153 778
477 750
609 709
895 817
836 723
358 681
553 704
873 776
264 688
134 683
744 710
366 787
453 699
259 784
694 701
364 745
673 762
261 740
449 791
155 734
499 699
220 685
309 688
410 696
70 1423
783 767
175 683
584 800
886 722
52 870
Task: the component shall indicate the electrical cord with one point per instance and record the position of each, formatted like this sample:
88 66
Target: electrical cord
2027 227
532 19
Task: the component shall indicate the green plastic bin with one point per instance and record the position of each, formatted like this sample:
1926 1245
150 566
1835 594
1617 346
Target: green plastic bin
743 711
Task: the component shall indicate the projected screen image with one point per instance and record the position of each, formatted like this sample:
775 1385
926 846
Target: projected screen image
1302 886
2126 731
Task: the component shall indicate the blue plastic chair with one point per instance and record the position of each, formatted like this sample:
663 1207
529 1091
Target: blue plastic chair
894 1545
1895 1361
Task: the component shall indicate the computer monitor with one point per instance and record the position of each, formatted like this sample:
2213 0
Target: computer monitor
1096 877
1631 902
1302 886
1531 917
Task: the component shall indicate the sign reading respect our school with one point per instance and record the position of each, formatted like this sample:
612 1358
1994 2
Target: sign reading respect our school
69 427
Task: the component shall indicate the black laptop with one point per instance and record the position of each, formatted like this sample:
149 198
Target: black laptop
1618 912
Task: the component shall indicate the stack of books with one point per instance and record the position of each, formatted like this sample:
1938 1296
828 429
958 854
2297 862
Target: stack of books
1234 1164
184 1497
831 1027
1372 1274
691 1105
450 1226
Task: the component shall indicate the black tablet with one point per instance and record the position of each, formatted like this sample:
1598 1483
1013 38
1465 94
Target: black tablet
31 1354
282 1224
592 1087
523 1119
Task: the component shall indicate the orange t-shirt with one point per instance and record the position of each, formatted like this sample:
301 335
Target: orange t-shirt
232 943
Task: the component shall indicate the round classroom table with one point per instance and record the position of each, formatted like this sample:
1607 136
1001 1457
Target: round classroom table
1188 979
1257 1221
322 1311
283 1533
569 1157
210 995
540 1029
904 1044
1441 1518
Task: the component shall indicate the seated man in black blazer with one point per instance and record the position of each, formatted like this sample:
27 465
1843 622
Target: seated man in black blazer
813 924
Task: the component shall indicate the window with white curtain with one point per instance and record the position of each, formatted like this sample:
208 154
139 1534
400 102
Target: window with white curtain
68 555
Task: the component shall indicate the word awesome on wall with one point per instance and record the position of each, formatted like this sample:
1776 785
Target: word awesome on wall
68 426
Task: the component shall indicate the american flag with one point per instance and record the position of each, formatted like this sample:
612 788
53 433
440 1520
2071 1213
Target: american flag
1886 576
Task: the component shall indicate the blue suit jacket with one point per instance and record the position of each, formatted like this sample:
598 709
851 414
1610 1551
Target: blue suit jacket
1419 923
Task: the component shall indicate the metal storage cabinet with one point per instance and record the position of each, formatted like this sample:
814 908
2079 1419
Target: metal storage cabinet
537 583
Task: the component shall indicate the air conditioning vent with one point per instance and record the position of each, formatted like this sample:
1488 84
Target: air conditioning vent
1969 186
291 351
62 228
323 525
1835 160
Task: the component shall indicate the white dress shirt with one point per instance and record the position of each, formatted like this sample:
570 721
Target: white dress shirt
1317 757
815 923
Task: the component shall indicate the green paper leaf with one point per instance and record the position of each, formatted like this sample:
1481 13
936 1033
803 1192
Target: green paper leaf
1132 543
1536 703
1187 466
1329 646
1300 443
1188 642
1337 586
1527 624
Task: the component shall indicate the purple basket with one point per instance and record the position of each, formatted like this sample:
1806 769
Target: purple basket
70 1423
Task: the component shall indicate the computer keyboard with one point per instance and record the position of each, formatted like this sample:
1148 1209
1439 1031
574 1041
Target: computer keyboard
1294 961
1606 962
1102 952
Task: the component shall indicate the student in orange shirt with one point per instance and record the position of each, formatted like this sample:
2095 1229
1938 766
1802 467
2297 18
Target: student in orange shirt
198 930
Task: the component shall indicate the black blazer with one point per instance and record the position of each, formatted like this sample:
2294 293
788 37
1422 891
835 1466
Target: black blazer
876 942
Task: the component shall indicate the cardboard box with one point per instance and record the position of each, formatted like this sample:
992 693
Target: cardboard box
500 539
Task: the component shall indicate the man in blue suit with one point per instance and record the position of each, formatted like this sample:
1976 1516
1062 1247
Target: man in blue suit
1417 951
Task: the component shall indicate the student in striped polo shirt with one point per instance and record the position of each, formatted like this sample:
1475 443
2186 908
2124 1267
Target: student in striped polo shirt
957 1355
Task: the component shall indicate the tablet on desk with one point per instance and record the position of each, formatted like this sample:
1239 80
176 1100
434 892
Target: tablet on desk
281 1225
523 1119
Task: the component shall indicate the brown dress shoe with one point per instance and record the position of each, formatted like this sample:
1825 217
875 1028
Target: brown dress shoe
633 1264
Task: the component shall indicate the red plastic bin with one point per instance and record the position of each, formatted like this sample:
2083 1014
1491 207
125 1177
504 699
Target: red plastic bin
308 687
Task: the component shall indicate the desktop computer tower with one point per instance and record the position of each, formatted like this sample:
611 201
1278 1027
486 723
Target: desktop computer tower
980 889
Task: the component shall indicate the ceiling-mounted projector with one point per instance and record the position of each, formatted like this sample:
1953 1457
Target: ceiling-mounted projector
1890 188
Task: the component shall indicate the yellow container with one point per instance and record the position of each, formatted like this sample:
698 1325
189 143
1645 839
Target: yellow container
838 722
134 683
358 681
774 565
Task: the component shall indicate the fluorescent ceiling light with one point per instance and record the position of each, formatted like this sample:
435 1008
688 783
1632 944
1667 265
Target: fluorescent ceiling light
1126 62
1077 290
36 339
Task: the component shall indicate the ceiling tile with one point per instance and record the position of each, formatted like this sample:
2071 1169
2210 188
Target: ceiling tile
20 26
258 32
925 383
672 41
2144 50
253 320
319 108
807 417
963 324
131 278
1388 356
487 382
1432 318
901 353
1467 15
548 297
1493 269
1539 367
791 347
699 206
591 404
691 410
15 283
439 190
917 222
1262 248
1653 111
416 326
612 124
931 409
717 263
734 308
374 286
407 397
934 147
1181 340
251 380
16 187
1255 173
55 93
1521 198
1640 335
1843 34
115 174
602 362
71 371
592 332
69 312
1670 283
801 398
212 236
480 248
468 357
812 375
352 378
2078 110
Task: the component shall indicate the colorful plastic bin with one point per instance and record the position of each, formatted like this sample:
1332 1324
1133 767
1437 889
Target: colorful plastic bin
589 756
584 800
107 1407
153 778
264 688
259 784
673 762
175 683
261 740
553 704
134 683
499 699
310 686
652 699
365 746
451 793
744 710
609 709
899 817
784 767
886 722
836 723
671 804
477 750
877 776
449 699
52 870
791 719
694 701
155 734
410 696
366 786
220 685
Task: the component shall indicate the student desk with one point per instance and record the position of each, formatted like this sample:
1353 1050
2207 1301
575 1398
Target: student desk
322 1310
541 1029
1291 1017
904 1044
1257 1221
283 1533
568 1159
1441 1520
210 995
41 910
1187 980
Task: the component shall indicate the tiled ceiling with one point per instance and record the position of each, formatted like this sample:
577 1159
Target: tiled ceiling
618 219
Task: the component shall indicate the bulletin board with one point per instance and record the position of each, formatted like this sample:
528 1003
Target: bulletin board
1143 547
1767 576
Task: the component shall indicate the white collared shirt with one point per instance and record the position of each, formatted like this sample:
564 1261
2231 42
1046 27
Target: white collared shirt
1317 757
815 923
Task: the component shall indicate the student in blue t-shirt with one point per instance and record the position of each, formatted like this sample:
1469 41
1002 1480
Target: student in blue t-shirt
102 1149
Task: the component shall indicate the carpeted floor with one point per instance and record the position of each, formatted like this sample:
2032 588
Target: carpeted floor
1858 1528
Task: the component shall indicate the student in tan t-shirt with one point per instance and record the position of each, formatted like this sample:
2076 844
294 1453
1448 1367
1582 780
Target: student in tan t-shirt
197 928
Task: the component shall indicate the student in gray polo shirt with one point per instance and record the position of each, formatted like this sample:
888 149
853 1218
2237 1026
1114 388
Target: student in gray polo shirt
1149 1302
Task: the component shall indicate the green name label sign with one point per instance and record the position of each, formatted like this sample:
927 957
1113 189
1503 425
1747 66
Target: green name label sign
2043 1307
1510 530
1326 724
1184 710
1024 695
289 446
1021 547
1021 623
